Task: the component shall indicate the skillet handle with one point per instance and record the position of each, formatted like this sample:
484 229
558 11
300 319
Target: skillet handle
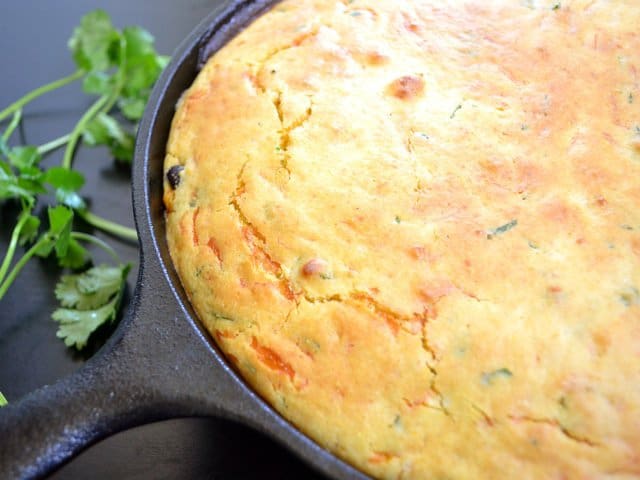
154 367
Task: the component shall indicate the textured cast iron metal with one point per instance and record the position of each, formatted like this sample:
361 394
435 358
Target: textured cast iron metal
160 363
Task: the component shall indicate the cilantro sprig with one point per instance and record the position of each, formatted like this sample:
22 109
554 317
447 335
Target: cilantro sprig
58 238
89 300
118 68
121 67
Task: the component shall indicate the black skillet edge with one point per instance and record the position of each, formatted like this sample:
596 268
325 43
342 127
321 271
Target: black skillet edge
148 207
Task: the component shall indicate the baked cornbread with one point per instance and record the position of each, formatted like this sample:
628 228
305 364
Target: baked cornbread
414 228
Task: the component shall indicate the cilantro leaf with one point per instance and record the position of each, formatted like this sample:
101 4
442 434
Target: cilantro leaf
132 108
94 43
24 158
3 400
59 233
31 182
88 300
11 188
66 183
30 228
142 66
20 177
70 199
32 176
488 378
76 326
97 83
90 289
60 177
105 130
75 257
501 229
60 219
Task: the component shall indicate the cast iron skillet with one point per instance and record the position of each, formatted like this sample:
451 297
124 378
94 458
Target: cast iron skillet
160 363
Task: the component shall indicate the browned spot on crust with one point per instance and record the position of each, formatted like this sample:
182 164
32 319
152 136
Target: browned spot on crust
555 293
426 400
392 321
194 98
418 252
261 257
380 457
486 418
376 58
406 87
220 334
528 175
602 341
249 236
271 359
557 211
168 197
494 167
233 358
410 24
393 324
196 95
286 290
601 202
194 230
269 265
214 248
431 295
302 37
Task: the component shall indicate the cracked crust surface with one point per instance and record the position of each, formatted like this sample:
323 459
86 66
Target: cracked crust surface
413 227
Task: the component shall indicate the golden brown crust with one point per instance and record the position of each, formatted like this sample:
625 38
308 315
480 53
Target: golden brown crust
413 226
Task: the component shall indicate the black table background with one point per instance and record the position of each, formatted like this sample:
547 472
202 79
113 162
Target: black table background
33 36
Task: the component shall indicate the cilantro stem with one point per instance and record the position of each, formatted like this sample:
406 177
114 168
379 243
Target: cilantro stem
53 144
77 131
108 226
96 241
15 235
113 98
120 77
15 121
18 104
4 286
103 105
